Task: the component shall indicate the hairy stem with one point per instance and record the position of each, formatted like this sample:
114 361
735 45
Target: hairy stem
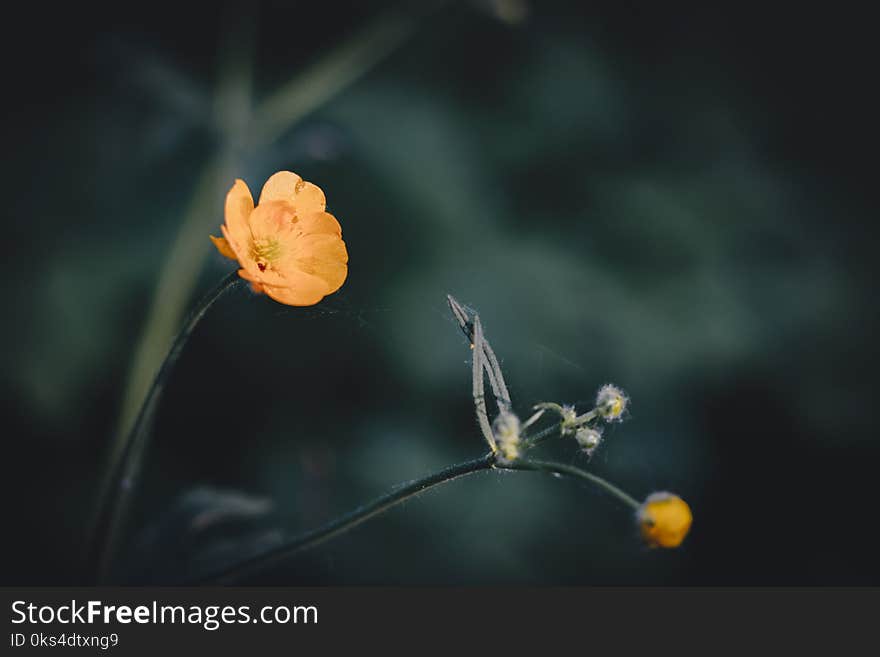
125 463
363 513
573 471
349 521
541 436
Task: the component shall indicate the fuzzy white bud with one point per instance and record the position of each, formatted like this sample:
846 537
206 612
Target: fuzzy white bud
611 403
506 429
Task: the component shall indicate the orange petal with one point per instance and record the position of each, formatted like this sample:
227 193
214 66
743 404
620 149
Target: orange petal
281 186
272 220
317 223
248 276
239 205
287 186
223 247
270 275
324 256
322 247
244 257
332 273
309 198
304 290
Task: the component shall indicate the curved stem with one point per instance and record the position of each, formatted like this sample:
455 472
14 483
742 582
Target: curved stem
350 520
125 461
573 471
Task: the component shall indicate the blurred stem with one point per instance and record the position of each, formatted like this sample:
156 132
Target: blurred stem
331 74
363 513
123 473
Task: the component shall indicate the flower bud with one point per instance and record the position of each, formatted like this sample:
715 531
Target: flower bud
611 403
664 519
569 420
588 439
506 429
568 416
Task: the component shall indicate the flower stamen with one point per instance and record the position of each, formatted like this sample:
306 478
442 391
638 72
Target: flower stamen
265 251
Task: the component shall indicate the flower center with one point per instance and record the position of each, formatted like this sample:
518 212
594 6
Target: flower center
265 251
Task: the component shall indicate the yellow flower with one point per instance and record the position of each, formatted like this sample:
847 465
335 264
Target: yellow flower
665 520
287 246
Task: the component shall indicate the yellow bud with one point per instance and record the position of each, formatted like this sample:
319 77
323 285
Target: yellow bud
665 520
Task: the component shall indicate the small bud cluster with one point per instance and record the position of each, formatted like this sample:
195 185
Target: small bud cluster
611 405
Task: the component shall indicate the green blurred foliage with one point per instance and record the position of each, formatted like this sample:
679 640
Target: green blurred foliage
643 215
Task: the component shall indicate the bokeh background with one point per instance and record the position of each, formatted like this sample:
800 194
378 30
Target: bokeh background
679 200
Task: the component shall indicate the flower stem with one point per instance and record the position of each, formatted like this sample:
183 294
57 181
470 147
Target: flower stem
353 518
573 471
541 436
127 455
349 521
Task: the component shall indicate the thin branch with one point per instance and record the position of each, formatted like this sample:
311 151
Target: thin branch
122 475
573 471
502 396
478 390
467 327
348 521
490 362
363 513
541 436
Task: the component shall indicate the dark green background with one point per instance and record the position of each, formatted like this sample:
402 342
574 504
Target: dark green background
678 200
